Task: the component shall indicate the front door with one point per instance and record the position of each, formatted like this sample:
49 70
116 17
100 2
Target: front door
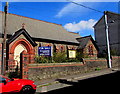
15 62
18 50
15 65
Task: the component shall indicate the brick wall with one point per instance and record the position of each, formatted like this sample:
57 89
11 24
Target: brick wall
0 58
86 51
59 47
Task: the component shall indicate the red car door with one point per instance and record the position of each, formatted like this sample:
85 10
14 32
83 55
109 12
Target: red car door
1 84
10 86
7 85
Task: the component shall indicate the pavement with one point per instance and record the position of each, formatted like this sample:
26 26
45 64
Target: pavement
53 84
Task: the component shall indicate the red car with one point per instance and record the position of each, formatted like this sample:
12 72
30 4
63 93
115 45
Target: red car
21 86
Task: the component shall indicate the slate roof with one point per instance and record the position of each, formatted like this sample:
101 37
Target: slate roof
18 33
111 16
84 40
39 29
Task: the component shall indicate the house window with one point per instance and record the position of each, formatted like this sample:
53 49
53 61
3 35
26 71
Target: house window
54 48
61 48
73 48
90 50
39 44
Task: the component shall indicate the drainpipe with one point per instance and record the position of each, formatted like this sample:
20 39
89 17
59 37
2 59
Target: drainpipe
107 38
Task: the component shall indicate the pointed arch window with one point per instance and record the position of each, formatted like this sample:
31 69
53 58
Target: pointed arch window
90 50
61 48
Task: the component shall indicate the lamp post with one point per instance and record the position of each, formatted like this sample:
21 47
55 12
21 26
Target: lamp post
107 38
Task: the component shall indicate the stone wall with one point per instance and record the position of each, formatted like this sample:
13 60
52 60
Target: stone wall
101 62
115 61
55 70
46 71
92 64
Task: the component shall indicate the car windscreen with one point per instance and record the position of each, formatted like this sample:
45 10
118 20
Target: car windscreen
2 80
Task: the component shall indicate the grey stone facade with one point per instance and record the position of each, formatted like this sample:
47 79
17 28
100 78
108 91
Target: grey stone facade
114 32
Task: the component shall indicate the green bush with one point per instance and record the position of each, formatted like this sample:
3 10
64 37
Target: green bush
59 57
97 69
79 55
72 60
43 59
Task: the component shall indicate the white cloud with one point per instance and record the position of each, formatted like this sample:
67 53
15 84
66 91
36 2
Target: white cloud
82 25
72 8
66 9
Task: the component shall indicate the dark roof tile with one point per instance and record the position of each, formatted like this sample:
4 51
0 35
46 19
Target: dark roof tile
39 29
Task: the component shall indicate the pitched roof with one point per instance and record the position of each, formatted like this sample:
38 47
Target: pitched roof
111 16
18 33
84 40
39 29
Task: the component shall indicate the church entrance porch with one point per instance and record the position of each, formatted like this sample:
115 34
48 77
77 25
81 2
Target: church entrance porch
17 59
20 53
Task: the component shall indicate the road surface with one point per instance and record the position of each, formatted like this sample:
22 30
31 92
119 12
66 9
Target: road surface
103 84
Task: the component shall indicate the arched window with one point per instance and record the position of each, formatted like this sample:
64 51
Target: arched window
39 44
47 45
90 50
54 48
73 48
61 48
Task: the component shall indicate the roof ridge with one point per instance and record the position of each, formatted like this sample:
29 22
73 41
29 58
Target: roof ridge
32 18
18 33
73 32
103 16
113 13
84 37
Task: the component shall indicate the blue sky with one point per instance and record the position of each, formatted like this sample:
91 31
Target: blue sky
72 17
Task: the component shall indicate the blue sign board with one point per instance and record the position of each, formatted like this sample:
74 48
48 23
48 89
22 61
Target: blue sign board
45 51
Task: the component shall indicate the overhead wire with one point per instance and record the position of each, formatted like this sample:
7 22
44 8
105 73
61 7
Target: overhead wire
85 6
89 8
31 9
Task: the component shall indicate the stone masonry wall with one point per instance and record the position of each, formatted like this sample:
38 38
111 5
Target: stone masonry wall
54 70
116 61
45 71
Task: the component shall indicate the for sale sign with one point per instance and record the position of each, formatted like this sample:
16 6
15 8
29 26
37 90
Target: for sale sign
45 51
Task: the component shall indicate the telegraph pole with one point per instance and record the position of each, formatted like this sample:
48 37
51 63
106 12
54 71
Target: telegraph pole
106 29
4 39
107 38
